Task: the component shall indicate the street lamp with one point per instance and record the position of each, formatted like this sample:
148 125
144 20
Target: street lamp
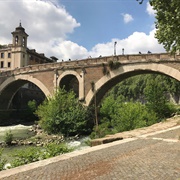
115 48
122 51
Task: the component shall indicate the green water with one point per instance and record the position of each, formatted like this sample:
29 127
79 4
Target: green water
18 131
22 132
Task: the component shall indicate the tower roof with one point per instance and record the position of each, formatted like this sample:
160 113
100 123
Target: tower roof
19 29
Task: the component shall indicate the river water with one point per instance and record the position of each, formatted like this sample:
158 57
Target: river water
22 132
19 131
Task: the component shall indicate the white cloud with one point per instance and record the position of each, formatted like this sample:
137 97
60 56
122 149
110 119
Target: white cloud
135 43
127 18
150 10
71 50
46 23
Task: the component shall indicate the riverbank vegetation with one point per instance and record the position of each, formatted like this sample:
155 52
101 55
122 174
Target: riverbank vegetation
64 114
136 102
31 154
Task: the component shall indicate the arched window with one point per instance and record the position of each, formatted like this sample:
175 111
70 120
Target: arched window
16 40
24 42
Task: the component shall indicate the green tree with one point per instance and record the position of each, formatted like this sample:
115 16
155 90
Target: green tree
32 106
63 114
167 23
118 115
133 88
132 115
109 105
155 95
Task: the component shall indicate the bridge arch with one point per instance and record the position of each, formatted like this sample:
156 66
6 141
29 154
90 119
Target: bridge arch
10 86
69 75
107 82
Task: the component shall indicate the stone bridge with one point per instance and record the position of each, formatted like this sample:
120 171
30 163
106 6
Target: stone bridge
89 78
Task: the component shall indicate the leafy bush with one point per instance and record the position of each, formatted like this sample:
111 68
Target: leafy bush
131 116
8 137
26 156
54 149
178 110
32 105
32 154
2 161
155 95
103 129
118 115
63 114
114 65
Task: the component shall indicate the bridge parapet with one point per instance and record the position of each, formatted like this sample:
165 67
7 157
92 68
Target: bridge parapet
92 61
6 73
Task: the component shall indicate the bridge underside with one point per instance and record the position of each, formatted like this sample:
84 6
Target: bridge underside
114 81
10 91
70 82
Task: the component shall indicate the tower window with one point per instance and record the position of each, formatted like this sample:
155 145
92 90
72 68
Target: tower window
16 40
2 55
24 41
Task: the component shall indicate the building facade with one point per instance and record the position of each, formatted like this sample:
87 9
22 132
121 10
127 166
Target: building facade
18 55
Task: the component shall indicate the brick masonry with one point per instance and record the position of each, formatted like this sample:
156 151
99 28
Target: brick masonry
87 71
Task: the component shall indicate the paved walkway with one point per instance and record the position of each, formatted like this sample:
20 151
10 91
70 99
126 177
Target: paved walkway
152 156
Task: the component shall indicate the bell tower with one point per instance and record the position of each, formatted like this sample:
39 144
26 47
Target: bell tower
20 37
19 47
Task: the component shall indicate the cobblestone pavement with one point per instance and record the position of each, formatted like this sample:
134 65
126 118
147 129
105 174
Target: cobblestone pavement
150 157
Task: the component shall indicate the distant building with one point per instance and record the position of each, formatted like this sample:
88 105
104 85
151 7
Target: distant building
18 55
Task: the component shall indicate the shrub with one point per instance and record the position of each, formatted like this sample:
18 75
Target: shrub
32 105
32 154
8 137
102 130
63 114
155 95
114 65
132 115
2 161
25 156
54 149
118 116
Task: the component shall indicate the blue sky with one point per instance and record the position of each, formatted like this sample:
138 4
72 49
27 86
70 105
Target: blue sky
102 20
78 29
